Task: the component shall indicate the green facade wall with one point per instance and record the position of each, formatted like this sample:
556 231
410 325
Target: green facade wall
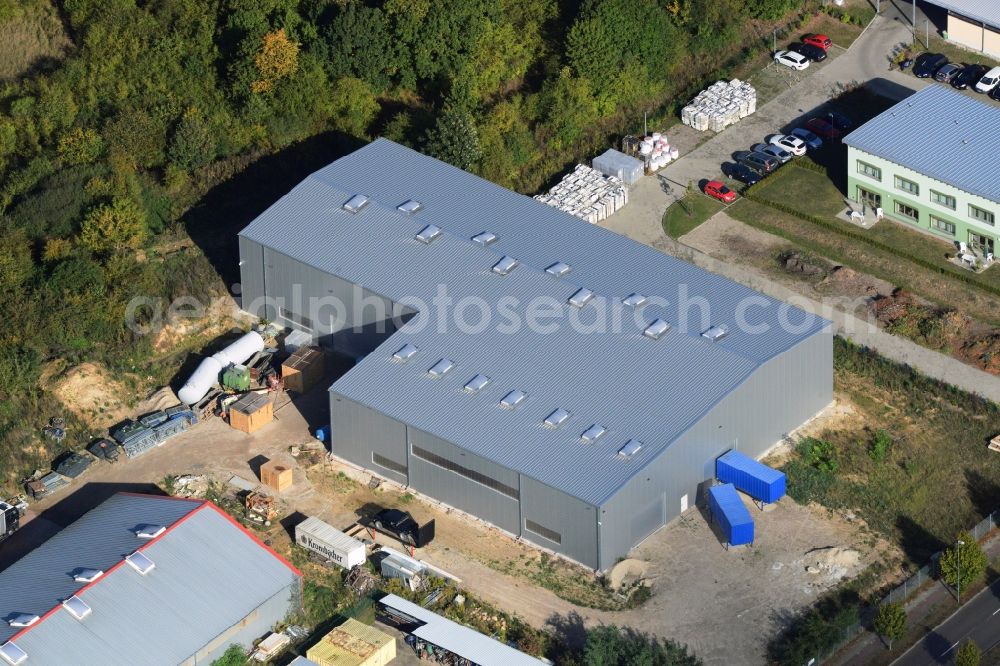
967 229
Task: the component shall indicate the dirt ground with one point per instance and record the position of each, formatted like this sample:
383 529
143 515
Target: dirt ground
700 591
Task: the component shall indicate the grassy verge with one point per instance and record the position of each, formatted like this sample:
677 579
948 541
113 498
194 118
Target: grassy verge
685 215
946 286
911 460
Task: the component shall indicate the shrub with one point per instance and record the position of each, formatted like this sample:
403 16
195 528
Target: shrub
878 449
819 454
193 143
113 227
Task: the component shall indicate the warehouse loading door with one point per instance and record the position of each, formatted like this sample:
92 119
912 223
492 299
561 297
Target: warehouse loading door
648 520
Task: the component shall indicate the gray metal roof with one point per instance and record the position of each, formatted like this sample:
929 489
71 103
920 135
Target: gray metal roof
650 390
986 11
942 134
208 576
458 638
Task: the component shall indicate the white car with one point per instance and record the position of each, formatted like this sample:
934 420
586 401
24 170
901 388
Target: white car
989 81
810 139
792 144
796 61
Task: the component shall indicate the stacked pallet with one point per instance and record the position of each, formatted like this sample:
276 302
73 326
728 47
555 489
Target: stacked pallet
587 194
720 105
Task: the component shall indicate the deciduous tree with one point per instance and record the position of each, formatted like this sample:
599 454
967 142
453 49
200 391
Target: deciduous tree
113 227
890 622
962 565
278 58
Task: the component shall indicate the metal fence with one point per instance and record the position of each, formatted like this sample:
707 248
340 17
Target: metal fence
909 587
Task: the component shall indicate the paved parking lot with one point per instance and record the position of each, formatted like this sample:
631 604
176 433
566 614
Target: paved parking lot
866 61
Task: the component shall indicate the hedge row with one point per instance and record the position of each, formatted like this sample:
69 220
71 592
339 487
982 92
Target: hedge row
839 228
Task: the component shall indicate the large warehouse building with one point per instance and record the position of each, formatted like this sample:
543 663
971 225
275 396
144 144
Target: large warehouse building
143 579
562 382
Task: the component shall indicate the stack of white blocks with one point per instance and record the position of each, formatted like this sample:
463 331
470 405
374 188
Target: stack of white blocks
587 194
720 105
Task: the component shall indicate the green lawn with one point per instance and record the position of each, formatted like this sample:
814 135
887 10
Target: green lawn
935 478
814 194
683 216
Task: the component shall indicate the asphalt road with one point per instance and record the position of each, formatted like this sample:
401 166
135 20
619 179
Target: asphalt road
978 620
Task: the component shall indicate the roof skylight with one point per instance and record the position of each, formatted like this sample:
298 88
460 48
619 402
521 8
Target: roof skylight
405 353
477 383
22 619
140 562
441 368
632 447
356 203
87 575
428 234
581 297
77 607
593 433
149 531
409 207
558 269
505 265
715 333
12 654
634 300
513 399
657 329
556 418
484 238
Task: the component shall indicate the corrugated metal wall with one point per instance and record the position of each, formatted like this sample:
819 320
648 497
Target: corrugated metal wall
345 318
252 288
262 620
573 520
358 432
788 390
458 491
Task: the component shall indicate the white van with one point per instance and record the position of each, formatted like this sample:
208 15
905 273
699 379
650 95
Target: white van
989 81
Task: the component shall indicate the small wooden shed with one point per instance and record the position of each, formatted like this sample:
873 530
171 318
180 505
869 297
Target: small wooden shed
251 412
276 475
302 369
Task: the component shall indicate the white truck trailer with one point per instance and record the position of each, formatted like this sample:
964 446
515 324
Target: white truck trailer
329 543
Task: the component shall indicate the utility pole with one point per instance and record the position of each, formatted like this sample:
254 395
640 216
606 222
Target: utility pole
774 42
927 33
913 21
644 130
958 580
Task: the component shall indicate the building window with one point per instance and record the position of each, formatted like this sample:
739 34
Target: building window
909 212
907 186
942 225
389 464
869 170
945 200
984 216
478 477
542 531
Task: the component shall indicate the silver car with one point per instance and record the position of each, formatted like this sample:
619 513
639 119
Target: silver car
776 152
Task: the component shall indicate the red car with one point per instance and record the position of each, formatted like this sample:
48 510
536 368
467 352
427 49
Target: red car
822 128
822 41
717 190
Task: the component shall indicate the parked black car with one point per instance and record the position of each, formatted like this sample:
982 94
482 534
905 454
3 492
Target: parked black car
401 525
948 73
995 94
969 76
927 64
840 121
744 174
814 53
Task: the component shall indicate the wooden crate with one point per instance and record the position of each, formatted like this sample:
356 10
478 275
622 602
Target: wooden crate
251 412
302 369
276 475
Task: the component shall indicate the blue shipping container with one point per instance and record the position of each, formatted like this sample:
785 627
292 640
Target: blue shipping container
728 509
763 483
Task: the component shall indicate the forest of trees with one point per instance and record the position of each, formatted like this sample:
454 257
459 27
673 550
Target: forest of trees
105 151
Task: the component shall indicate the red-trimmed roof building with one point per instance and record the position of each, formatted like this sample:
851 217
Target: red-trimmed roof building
143 579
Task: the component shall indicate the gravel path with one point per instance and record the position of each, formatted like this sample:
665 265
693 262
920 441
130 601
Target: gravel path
862 332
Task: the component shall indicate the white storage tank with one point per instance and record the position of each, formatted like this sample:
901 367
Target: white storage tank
329 542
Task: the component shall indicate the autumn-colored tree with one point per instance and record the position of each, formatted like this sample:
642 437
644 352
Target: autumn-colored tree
80 146
56 249
278 58
113 227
